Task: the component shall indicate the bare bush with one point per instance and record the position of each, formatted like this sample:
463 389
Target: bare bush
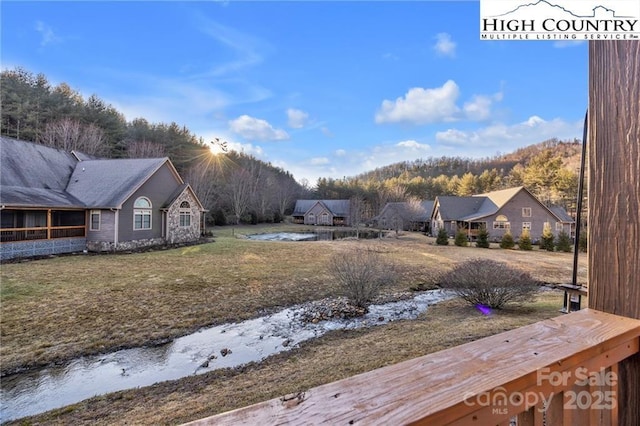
490 283
361 274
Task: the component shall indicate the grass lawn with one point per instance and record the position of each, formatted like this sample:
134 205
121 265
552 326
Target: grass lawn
56 309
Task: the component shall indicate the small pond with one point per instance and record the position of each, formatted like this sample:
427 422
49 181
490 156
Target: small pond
316 235
227 345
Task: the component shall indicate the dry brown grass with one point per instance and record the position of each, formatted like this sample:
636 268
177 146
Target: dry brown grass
57 309
332 357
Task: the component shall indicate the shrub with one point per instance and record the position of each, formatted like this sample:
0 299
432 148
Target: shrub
490 283
461 238
361 274
546 241
443 237
483 238
525 240
563 242
507 241
219 218
582 241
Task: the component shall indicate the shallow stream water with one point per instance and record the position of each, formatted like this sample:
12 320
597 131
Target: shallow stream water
228 345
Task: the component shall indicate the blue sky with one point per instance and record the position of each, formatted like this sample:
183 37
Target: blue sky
322 89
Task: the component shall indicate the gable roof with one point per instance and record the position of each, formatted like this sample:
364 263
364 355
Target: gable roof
337 207
453 208
482 205
31 165
109 183
35 175
422 212
493 201
178 192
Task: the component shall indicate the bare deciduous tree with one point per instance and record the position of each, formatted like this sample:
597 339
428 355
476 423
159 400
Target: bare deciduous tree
239 189
145 149
71 135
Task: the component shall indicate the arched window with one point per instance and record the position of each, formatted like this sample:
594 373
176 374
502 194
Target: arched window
185 214
312 219
501 222
142 214
325 218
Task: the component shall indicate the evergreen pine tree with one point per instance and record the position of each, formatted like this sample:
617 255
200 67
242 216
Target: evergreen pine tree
483 238
507 241
563 242
443 238
582 242
461 238
546 241
525 240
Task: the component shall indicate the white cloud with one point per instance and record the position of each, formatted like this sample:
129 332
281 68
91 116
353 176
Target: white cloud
325 131
506 138
413 145
340 153
444 45
48 36
319 161
479 108
297 118
256 129
422 106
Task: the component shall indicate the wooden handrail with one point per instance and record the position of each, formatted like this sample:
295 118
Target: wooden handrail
521 372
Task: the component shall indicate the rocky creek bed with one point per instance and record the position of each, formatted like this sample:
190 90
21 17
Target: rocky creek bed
224 346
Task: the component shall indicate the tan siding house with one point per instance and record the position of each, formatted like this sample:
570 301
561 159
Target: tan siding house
509 210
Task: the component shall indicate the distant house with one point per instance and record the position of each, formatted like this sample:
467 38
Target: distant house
322 212
407 216
513 210
54 201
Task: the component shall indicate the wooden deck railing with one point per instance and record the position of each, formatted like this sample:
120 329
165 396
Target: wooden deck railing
561 371
41 233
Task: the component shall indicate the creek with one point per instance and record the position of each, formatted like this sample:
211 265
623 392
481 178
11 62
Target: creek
223 346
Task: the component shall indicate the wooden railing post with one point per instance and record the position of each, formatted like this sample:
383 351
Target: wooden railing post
614 196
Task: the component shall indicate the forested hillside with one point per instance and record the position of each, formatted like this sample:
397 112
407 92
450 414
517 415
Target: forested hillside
232 186
549 169
238 187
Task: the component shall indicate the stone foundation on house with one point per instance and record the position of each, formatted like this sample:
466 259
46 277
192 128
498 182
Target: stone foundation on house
101 246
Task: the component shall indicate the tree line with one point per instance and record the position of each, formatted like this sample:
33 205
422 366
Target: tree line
234 187
548 169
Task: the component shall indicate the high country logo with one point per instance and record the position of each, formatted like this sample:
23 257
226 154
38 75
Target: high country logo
542 19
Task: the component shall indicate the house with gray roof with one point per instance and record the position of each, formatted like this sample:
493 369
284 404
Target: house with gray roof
53 201
322 212
509 210
406 216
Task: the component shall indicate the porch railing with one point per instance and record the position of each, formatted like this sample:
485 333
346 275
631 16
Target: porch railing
41 233
561 371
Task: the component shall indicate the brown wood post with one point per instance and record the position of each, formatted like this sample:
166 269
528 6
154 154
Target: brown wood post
614 196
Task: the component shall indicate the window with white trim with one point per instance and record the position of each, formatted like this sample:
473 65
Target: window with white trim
325 218
559 226
185 214
94 220
501 222
142 214
526 212
526 225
